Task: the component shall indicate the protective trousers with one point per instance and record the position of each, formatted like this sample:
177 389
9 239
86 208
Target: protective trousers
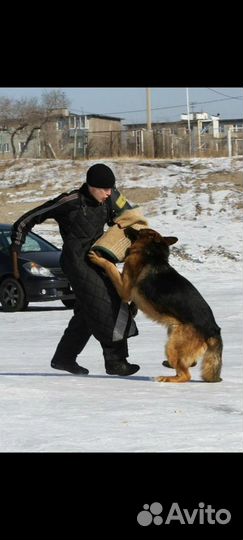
77 335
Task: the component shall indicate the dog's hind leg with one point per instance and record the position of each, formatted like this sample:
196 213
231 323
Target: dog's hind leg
174 353
182 375
212 360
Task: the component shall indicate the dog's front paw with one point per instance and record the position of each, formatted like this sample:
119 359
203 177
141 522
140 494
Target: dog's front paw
97 259
184 377
161 379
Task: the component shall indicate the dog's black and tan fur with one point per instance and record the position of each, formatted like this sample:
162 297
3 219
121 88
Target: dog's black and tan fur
169 299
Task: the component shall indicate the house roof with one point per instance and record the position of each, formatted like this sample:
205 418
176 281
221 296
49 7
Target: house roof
61 111
184 122
103 116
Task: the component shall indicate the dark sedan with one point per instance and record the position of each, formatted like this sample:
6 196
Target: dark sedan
41 277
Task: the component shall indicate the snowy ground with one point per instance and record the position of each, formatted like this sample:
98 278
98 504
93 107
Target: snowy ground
47 411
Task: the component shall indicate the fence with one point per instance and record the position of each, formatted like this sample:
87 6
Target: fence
156 143
162 143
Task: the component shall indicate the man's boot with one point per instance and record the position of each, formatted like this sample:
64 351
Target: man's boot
71 367
120 367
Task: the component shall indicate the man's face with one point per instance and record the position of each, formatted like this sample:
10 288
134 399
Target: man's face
100 194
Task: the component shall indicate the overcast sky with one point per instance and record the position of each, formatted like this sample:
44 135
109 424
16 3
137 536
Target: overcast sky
130 103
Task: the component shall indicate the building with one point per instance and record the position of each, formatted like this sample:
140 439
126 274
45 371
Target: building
63 135
197 134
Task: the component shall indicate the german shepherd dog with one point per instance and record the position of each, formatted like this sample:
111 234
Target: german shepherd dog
170 299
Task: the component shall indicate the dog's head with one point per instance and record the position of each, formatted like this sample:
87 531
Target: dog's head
153 245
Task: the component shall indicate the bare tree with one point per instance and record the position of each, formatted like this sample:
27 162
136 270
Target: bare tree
54 99
53 103
6 111
28 115
6 115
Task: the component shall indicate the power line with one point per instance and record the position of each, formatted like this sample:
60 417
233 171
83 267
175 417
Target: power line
221 94
164 108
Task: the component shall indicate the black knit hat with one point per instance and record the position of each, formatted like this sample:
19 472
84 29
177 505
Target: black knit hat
100 176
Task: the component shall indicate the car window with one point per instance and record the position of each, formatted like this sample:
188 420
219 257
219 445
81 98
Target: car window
32 243
3 242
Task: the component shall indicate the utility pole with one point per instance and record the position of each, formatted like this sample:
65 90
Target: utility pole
75 144
149 123
188 122
38 143
229 142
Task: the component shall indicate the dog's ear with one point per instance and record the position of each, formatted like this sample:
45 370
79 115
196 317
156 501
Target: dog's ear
169 240
131 233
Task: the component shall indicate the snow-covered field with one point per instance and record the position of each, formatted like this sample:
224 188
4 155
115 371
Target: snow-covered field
47 411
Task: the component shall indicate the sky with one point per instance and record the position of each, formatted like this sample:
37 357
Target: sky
130 103
42 410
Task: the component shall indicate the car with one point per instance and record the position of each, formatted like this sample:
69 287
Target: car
41 277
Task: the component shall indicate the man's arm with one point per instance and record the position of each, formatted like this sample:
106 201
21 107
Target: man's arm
49 210
15 264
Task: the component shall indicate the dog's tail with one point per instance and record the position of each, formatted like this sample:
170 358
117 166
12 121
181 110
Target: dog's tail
212 360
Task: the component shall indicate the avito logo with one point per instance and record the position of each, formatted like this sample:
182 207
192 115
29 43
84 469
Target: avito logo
201 515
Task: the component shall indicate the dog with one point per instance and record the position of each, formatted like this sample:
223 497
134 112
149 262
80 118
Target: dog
168 298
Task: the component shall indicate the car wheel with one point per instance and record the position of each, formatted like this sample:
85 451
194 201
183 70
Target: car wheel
12 295
69 303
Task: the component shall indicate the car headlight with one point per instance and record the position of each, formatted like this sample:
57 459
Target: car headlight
37 270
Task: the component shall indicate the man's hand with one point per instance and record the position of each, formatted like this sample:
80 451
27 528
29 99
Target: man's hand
15 265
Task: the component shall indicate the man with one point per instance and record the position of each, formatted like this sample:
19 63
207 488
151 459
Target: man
81 216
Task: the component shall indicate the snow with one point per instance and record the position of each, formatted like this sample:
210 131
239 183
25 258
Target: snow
43 410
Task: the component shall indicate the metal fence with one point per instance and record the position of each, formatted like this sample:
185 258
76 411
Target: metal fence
162 143
156 143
